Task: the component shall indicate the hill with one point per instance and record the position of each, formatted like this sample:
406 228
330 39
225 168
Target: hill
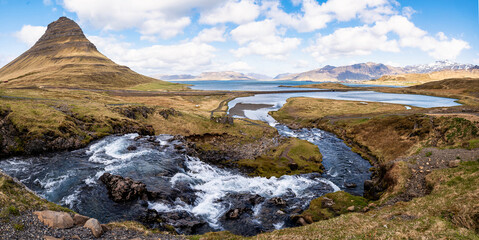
64 57
356 72
225 75
420 78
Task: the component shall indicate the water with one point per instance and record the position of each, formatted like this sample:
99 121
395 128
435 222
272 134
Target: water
187 184
244 85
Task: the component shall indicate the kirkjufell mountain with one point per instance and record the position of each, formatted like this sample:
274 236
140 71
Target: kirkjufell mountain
64 57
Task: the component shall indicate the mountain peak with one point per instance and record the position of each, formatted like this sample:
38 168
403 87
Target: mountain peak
60 34
63 56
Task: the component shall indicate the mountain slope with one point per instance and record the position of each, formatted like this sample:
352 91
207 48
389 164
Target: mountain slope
226 75
356 72
64 57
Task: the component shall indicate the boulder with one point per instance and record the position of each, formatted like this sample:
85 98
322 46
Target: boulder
327 202
351 208
55 219
94 226
350 185
122 189
79 220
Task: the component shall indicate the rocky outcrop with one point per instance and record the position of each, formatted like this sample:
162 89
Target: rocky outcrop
122 189
55 219
134 112
75 131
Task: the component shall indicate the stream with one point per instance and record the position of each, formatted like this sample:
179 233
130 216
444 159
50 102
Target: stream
192 191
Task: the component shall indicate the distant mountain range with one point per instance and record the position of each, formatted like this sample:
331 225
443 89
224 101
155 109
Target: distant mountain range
226 75
355 72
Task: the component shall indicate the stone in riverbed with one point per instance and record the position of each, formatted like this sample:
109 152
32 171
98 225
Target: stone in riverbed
55 219
122 189
94 226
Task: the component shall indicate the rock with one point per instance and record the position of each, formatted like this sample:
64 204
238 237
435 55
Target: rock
279 212
45 237
124 189
278 201
293 166
308 219
351 208
104 227
94 226
350 185
55 219
131 148
327 202
454 163
233 214
302 222
79 220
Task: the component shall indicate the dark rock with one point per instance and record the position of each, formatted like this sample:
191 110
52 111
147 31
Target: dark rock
134 112
350 185
293 166
131 148
166 113
124 189
278 201
327 202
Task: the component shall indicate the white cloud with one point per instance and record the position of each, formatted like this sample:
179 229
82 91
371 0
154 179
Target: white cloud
238 66
349 42
366 39
316 16
216 34
47 2
408 12
239 12
5 59
165 18
30 34
261 38
183 57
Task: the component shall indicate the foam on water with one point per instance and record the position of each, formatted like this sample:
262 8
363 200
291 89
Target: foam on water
213 184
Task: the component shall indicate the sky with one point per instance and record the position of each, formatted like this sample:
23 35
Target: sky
157 37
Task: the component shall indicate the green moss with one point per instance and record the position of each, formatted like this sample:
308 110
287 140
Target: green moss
18 227
295 156
474 143
342 201
428 154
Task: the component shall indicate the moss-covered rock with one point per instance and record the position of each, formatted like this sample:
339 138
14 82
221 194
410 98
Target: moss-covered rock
332 205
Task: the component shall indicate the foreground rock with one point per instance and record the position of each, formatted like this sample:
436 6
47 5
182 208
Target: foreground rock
122 189
94 226
55 219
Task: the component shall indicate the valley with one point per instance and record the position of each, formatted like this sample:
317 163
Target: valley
81 135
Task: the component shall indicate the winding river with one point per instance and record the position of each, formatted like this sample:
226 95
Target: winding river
192 188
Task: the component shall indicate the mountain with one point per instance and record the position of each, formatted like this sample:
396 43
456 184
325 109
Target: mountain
226 75
259 76
437 66
420 78
64 57
356 72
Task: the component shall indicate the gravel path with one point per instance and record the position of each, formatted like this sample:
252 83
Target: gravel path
34 229
425 162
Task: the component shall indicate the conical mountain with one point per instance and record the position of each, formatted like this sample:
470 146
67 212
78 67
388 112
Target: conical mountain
64 57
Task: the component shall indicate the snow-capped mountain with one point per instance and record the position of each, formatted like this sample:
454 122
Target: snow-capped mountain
437 66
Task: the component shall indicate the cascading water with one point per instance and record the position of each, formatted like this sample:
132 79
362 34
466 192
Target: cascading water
191 186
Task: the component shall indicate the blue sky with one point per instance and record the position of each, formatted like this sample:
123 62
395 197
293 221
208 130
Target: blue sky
268 36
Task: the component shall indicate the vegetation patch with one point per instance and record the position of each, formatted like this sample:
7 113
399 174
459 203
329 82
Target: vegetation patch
294 156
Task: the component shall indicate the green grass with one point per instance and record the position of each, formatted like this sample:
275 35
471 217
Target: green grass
294 156
160 85
428 154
